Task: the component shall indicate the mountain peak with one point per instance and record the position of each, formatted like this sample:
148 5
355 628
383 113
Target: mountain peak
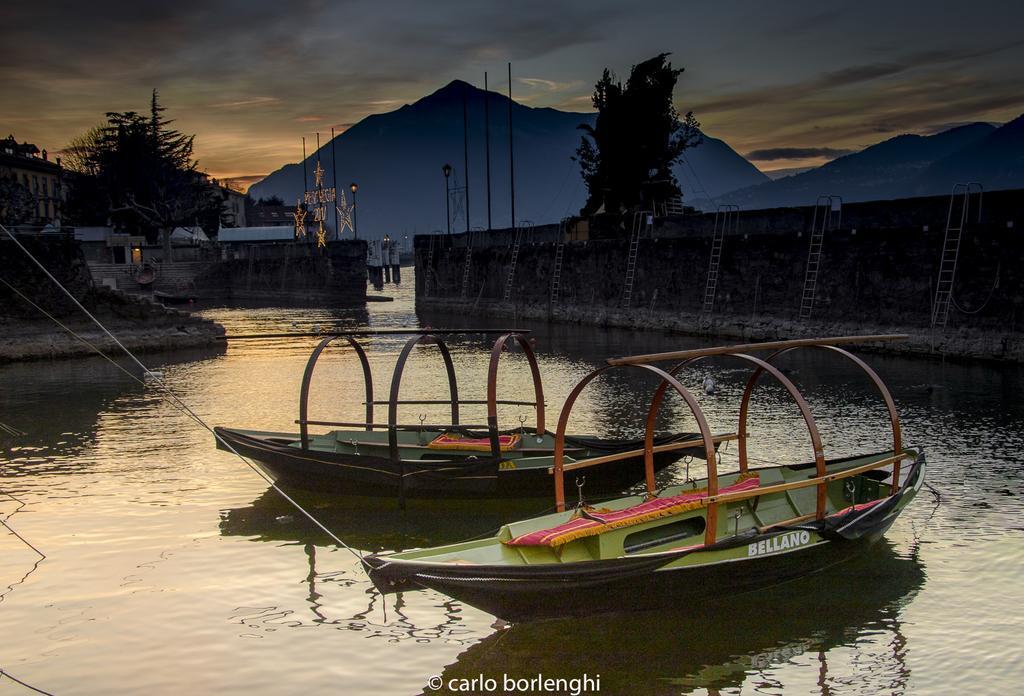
453 92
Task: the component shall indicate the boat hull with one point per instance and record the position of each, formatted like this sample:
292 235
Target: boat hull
370 475
520 593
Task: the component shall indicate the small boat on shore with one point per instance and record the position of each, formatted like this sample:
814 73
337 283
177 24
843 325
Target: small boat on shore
727 533
176 298
444 460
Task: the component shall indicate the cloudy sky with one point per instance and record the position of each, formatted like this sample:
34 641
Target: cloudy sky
785 83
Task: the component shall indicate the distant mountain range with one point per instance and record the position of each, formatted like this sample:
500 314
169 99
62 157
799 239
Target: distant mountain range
904 166
396 158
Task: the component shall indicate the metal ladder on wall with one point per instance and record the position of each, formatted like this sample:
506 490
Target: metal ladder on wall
524 227
955 226
556 269
726 217
467 266
831 214
643 221
429 268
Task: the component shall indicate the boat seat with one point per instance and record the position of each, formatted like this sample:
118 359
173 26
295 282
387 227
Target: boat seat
590 522
455 441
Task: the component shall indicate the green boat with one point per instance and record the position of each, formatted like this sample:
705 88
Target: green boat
726 533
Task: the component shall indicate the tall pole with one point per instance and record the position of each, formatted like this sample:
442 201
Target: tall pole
319 186
447 206
487 151
511 162
465 147
305 183
355 227
334 183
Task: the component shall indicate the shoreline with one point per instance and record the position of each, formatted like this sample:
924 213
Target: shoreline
958 344
39 341
140 325
58 344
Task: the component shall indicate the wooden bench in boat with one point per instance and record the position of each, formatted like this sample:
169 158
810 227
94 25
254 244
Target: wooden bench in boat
593 522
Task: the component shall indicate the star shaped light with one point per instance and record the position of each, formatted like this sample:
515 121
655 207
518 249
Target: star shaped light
300 219
344 213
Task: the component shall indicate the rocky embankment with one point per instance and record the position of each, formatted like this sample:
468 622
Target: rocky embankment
28 334
140 325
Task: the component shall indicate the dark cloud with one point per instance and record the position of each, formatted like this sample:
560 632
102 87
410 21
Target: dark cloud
795 153
251 76
851 76
802 25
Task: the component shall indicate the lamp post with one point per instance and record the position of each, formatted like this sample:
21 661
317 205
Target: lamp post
447 171
355 228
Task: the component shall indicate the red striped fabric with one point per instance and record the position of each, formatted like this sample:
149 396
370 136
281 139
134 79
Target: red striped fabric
597 522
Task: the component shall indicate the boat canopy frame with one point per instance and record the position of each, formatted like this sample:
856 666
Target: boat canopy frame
761 366
420 337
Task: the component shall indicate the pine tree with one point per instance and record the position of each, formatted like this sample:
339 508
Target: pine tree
145 173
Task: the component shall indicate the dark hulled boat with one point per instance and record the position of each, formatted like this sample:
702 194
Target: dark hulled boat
357 463
449 460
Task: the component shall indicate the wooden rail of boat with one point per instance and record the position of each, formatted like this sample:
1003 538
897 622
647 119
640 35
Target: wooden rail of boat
629 454
424 337
761 366
752 347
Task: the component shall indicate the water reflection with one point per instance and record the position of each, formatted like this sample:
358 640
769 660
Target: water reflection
373 524
382 618
740 641
165 550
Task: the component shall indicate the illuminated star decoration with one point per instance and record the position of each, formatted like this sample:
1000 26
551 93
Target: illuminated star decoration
344 213
300 220
317 200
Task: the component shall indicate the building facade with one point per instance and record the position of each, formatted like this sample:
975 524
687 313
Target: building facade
32 184
233 208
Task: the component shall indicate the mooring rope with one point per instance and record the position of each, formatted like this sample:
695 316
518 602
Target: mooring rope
177 401
5 673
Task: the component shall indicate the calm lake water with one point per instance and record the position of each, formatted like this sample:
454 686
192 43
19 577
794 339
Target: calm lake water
173 568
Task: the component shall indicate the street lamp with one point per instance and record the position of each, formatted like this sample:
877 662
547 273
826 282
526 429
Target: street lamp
447 171
355 229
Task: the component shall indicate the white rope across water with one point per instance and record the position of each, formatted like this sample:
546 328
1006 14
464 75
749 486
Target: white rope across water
174 399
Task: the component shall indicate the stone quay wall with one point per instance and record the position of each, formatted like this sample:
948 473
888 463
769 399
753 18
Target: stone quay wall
295 272
879 270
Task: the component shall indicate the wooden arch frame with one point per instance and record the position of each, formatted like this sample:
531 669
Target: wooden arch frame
307 378
396 383
666 380
492 387
890 405
762 366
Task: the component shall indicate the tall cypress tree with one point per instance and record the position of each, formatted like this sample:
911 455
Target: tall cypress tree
626 157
